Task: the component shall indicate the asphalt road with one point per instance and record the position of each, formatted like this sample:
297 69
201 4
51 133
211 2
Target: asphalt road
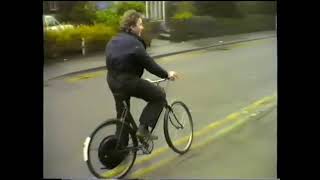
249 152
214 83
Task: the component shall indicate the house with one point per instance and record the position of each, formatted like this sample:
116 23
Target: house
155 10
50 7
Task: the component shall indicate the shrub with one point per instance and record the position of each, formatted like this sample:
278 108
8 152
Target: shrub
186 6
206 26
182 16
108 17
67 42
124 6
218 9
96 36
259 7
112 15
250 23
194 27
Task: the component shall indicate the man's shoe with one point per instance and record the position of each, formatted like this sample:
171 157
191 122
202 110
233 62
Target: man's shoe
145 134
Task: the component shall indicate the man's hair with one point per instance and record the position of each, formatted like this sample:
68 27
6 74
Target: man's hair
129 18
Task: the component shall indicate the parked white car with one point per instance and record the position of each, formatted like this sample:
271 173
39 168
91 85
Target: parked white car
51 23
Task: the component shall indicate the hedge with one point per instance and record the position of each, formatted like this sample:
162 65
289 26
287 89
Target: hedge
112 15
68 42
194 27
206 26
251 23
65 42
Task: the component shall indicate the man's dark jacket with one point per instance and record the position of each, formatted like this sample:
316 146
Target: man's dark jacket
126 54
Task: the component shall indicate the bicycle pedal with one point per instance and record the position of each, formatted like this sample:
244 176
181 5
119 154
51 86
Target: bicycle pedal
143 153
146 153
144 149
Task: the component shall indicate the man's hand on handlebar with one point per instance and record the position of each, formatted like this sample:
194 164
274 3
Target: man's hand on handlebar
172 75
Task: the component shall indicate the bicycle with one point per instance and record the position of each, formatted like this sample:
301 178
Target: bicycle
116 160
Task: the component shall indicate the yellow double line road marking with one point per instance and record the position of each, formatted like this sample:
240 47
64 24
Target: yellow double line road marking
236 119
265 103
86 76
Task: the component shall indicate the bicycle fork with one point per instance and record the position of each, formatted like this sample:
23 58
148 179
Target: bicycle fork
179 126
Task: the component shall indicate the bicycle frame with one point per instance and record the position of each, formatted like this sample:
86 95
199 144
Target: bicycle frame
132 123
135 145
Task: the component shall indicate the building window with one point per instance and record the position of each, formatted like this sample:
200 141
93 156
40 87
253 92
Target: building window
53 5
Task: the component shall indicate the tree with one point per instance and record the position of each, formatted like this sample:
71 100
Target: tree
124 6
83 13
79 12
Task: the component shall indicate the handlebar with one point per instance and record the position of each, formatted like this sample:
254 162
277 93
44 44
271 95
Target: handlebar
156 81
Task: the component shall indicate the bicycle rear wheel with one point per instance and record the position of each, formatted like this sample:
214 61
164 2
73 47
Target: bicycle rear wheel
104 155
178 127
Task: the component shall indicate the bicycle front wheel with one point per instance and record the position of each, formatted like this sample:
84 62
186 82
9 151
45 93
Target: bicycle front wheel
178 127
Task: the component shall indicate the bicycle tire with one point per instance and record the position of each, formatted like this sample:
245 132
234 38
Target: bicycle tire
167 123
87 156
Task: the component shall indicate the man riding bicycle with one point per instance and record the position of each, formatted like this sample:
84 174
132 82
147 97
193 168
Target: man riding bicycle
126 59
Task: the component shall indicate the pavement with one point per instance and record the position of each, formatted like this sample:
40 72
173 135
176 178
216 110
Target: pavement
159 48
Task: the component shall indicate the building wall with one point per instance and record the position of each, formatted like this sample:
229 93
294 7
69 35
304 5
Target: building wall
155 10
